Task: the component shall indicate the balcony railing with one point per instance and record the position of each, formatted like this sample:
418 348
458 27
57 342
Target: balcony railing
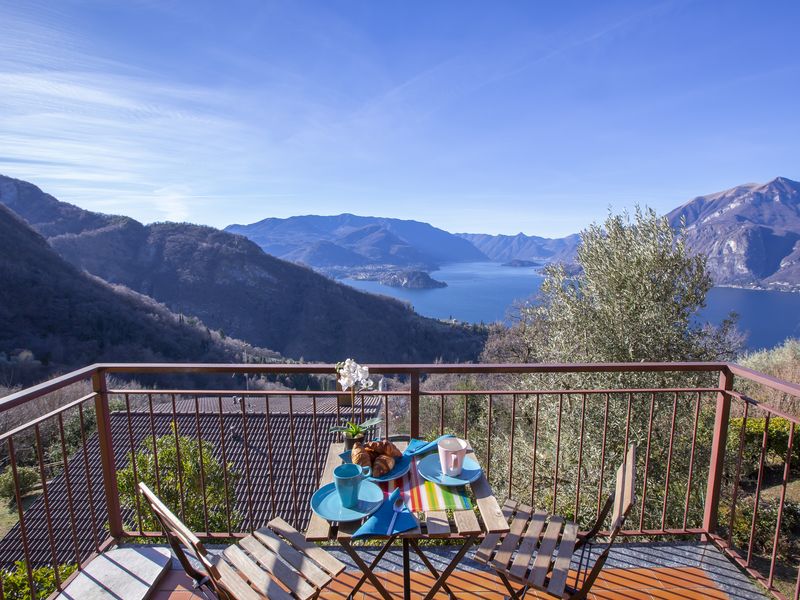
715 463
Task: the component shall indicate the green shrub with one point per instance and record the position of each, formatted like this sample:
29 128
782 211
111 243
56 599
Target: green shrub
16 586
763 539
777 442
28 477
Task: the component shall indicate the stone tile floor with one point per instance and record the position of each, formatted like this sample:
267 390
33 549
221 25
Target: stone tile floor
634 571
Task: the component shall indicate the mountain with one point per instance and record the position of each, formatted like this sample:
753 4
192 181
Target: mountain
55 317
351 240
750 233
232 285
504 248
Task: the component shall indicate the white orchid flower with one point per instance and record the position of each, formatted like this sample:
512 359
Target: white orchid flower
351 374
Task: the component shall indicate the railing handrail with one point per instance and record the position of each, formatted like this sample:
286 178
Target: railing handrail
764 379
411 368
51 385
17 398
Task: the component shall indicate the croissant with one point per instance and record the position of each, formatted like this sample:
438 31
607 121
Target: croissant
382 465
384 447
373 448
359 456
392 450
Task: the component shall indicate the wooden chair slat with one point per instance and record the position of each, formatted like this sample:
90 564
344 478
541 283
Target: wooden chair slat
519 568
262 538
262 547
616 514
232 582
541 564
274 566
248 570
318 528
484 552
173 522
506 550
437 523
328 562
558 576
630 479
466 522
625 493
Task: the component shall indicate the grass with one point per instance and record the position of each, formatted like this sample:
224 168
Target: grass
9 515
792 491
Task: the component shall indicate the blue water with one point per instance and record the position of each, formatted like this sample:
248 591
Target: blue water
485 292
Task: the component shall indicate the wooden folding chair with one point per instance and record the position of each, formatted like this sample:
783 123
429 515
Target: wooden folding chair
538 549
274 562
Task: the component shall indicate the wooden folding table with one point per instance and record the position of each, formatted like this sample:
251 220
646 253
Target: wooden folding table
465 528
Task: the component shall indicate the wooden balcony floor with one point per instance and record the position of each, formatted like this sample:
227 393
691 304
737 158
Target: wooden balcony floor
635 571
622 584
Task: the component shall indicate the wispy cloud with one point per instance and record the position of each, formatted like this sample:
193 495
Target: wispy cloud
105 133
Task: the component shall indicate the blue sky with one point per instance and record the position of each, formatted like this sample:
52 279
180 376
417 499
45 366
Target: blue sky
494 117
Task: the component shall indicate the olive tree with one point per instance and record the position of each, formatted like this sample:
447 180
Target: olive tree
632 296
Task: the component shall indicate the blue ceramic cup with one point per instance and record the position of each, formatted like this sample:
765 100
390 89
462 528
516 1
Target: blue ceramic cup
347 479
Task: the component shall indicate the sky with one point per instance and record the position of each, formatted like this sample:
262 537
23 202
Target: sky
492 117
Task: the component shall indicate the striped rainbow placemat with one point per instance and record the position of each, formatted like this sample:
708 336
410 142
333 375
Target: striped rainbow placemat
421 495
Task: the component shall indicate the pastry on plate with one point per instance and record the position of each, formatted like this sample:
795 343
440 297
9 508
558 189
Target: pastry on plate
382 465
360 456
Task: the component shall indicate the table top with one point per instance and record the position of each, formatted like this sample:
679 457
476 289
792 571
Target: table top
433 523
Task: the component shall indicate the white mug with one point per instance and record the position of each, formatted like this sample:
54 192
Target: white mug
451 455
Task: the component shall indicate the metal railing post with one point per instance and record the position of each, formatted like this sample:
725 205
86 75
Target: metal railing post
721 419
414 401
99 385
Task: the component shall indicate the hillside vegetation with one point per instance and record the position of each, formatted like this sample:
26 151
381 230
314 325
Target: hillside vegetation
234 286
54 317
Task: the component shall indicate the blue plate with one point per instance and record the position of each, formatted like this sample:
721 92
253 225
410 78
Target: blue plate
327 504
431 469
402 466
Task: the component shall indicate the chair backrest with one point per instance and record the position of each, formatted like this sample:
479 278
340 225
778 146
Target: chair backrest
625 491
180 535
624 499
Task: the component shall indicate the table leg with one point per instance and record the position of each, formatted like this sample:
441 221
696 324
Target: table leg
372 566
450 568
431 568
406 572
366 570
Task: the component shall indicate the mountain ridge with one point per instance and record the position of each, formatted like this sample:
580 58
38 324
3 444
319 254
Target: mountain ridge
364 240
232 285
504 248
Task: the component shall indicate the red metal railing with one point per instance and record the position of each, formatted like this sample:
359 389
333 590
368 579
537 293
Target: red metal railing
548 434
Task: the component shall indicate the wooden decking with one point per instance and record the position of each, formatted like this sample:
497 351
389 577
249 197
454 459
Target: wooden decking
620 584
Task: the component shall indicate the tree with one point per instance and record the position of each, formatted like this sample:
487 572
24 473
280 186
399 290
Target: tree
632 296
27 478
635 297
197 483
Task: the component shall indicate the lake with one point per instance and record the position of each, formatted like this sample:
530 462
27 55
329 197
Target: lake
484 292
